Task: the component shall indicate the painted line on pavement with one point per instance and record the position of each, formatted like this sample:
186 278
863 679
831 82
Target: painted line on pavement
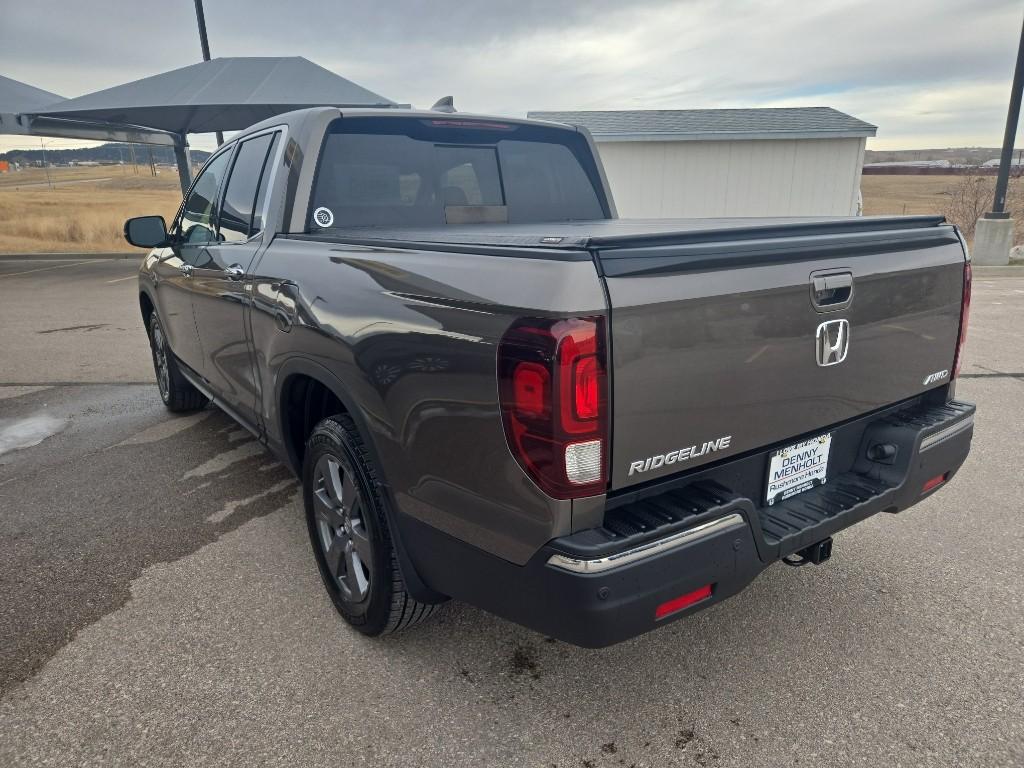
46 269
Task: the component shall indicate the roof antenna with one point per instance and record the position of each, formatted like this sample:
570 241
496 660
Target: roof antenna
444 104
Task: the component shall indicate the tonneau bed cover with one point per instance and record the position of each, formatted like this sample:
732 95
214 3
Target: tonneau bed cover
608 234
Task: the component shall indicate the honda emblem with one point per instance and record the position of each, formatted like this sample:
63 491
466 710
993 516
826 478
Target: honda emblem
833 342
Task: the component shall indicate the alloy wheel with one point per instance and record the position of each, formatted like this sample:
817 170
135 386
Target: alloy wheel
343 538
163 374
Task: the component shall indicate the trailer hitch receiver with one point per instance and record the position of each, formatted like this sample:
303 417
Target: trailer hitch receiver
816 554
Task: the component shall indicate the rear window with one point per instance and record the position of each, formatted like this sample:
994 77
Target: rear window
392 172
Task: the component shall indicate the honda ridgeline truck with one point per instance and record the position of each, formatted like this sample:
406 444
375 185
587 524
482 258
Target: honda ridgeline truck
495 390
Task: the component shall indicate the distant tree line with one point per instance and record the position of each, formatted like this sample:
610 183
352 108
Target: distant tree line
104 153
968 156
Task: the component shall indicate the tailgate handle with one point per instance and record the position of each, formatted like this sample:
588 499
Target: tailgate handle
831 290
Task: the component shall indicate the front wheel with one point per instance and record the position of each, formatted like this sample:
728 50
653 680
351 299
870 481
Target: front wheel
349 532
176 391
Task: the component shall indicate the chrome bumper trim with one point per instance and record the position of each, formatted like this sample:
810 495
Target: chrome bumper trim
650 549
949 431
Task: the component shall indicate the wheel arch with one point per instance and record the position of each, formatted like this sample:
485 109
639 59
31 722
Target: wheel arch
146 306
301 372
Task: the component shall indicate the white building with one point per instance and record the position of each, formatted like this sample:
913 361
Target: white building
728 162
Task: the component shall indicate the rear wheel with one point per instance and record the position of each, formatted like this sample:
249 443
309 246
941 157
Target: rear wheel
348 530
176 391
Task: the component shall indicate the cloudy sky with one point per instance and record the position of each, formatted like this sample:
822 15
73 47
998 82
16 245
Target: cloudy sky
929 73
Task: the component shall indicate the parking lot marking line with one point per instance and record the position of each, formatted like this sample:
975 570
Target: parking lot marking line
121 279
59 266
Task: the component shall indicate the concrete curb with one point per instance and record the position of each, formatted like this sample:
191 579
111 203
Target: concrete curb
70 256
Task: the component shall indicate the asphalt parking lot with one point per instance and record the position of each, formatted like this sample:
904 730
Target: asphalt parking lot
160 605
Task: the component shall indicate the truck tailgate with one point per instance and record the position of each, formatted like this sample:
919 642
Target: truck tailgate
715 341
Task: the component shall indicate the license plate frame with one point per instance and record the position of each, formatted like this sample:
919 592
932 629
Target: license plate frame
796 468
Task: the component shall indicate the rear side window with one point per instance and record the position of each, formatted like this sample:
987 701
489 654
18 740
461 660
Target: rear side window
261 195
395 172
238 220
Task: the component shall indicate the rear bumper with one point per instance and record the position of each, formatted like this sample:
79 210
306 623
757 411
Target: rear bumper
604 585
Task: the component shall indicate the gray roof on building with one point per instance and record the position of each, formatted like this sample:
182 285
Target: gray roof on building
714 124
226 94
16 97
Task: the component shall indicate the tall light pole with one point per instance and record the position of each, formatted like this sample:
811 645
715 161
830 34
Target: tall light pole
994 233
205 43
1012 117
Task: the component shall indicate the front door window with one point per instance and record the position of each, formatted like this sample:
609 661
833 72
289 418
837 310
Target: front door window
199 215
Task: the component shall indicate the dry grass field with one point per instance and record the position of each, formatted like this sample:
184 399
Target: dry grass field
86 208
906 194
80 214
30 177
961 199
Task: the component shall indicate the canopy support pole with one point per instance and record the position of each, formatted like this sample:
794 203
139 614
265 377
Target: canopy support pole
1006 158
184 160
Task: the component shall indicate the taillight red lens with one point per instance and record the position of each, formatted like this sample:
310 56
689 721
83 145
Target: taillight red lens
965 316
586 383
532 385
554 402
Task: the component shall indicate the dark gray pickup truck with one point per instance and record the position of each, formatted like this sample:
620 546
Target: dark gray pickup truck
495 390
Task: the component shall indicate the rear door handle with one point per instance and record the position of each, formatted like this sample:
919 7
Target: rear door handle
186 270
234 272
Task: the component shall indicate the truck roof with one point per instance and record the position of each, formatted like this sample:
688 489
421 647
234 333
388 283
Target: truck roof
301 115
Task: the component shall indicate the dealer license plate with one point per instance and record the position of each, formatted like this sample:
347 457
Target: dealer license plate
798 468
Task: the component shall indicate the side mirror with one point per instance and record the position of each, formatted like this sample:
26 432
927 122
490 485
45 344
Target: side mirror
146 232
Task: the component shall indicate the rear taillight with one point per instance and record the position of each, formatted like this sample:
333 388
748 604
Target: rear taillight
553 386
965 313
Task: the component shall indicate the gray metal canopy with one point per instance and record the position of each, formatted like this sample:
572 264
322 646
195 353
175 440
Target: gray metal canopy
18 97
226 94
19 103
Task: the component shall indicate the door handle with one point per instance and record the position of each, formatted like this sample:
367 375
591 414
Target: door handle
186 270
234 272
831 291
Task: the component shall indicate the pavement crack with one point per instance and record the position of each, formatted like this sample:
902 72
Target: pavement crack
92 327
992 375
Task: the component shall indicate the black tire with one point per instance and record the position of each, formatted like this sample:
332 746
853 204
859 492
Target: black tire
176 391
348 530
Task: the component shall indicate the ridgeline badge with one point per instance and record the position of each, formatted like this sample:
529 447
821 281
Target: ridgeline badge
681 455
